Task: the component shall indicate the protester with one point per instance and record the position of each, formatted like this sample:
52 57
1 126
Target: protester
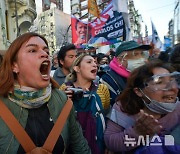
155 53
164 56
102 59
66 56
91 101
29 93
148 105
103 64
175 57
129 55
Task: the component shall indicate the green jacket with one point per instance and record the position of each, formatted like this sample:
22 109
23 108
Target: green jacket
71 133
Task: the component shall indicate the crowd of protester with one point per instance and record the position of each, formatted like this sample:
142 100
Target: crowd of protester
126 101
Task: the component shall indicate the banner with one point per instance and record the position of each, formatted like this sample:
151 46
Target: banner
167 42
106 30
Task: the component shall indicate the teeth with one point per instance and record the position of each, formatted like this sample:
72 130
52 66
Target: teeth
169 98
45 75
45 63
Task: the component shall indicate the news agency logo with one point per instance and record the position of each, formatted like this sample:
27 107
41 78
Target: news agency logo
146 141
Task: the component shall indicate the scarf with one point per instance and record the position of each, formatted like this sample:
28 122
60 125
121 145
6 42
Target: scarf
118 68
29 97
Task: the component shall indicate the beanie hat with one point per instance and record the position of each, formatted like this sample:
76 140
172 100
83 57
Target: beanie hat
130 45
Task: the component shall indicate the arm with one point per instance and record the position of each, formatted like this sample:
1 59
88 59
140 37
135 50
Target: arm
104 94
121 128
114 137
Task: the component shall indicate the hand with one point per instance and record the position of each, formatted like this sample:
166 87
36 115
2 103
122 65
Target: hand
68 92
146 124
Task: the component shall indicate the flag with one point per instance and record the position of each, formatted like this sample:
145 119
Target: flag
93 8
155 38
167 42
122 6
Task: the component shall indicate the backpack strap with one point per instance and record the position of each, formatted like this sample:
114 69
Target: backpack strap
56 130
24 138
117 80
16 128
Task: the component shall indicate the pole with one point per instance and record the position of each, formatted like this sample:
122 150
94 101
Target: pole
87 33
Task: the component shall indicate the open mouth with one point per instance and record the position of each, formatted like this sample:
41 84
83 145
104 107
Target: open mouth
94 71
44 69
169 99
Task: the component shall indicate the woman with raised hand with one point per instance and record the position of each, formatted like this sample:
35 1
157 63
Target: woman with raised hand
148 106
34 101
91 100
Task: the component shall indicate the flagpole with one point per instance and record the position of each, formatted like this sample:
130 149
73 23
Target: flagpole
87 33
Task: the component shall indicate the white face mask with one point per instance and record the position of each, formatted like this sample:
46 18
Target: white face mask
104 65
160 107
135 63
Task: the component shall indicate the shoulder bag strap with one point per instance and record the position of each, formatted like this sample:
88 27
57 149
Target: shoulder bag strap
24 138
16 128
56 130
117 80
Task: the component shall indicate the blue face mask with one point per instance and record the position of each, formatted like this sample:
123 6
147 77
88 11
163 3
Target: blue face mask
160 107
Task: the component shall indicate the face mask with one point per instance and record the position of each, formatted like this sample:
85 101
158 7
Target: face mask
160 107
135 63
103 67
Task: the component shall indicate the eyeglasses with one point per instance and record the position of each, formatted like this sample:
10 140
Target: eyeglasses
163 81
131 54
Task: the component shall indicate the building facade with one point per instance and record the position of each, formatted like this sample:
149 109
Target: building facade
176 23
16 17
54 25
135 20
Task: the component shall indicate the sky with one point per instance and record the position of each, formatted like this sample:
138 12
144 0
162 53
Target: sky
159 11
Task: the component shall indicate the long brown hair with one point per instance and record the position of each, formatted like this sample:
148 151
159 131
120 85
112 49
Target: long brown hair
130 102
7 77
